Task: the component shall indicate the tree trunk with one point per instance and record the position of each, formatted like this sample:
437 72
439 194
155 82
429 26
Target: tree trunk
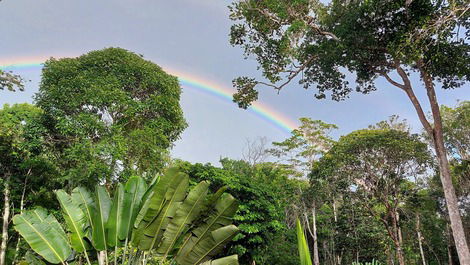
420 240
397 237
6 219
446 179
316 260
436 134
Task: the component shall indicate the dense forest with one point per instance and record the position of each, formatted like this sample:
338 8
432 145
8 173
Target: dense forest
87 176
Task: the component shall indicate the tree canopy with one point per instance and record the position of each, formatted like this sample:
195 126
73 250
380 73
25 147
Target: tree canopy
320 45
110 111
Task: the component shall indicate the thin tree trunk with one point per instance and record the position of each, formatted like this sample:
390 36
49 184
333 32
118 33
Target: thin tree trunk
436 134
17 248
420 239
397 238
446 179
6 218
316 260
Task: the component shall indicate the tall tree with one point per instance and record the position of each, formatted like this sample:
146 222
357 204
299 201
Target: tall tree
377 165
306 145
322 45
110 114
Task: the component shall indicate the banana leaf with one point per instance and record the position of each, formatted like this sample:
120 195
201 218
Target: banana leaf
114 222
185 215
42 237
168 199
134 192
209 246
84 199
76 221
100 217
221 215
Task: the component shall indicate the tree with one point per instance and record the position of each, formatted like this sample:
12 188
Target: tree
305 146
323 45
255 151
378 165
110 114
22 156
185 228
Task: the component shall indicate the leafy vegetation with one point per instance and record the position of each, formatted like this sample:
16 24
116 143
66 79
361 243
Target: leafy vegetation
186 227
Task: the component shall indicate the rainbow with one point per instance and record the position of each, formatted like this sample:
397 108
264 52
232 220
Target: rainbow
261 110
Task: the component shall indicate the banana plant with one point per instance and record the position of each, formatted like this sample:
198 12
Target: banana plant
163 221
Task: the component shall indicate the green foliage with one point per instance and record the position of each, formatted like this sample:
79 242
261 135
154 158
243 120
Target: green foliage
261 214
317 43
174 225
110 114
44 234
308 142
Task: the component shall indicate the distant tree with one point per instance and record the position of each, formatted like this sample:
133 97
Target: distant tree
322 45
393 123
306 145
255 150
110 114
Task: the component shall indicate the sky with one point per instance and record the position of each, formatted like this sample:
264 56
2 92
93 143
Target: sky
188 38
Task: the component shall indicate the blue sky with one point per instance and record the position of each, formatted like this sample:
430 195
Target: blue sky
190 36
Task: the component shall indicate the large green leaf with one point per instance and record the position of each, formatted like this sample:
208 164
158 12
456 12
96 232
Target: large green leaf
185 215
115 217
165 202
100 217
221 215
76 221
134 191
43 237
84 199
209 246
303 246
230 260
40 215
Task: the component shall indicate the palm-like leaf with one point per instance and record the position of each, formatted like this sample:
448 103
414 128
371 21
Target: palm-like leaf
185 215
197 245
133 194
114 222
165 199
83 198
100 217
76 221
42 236
209 246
